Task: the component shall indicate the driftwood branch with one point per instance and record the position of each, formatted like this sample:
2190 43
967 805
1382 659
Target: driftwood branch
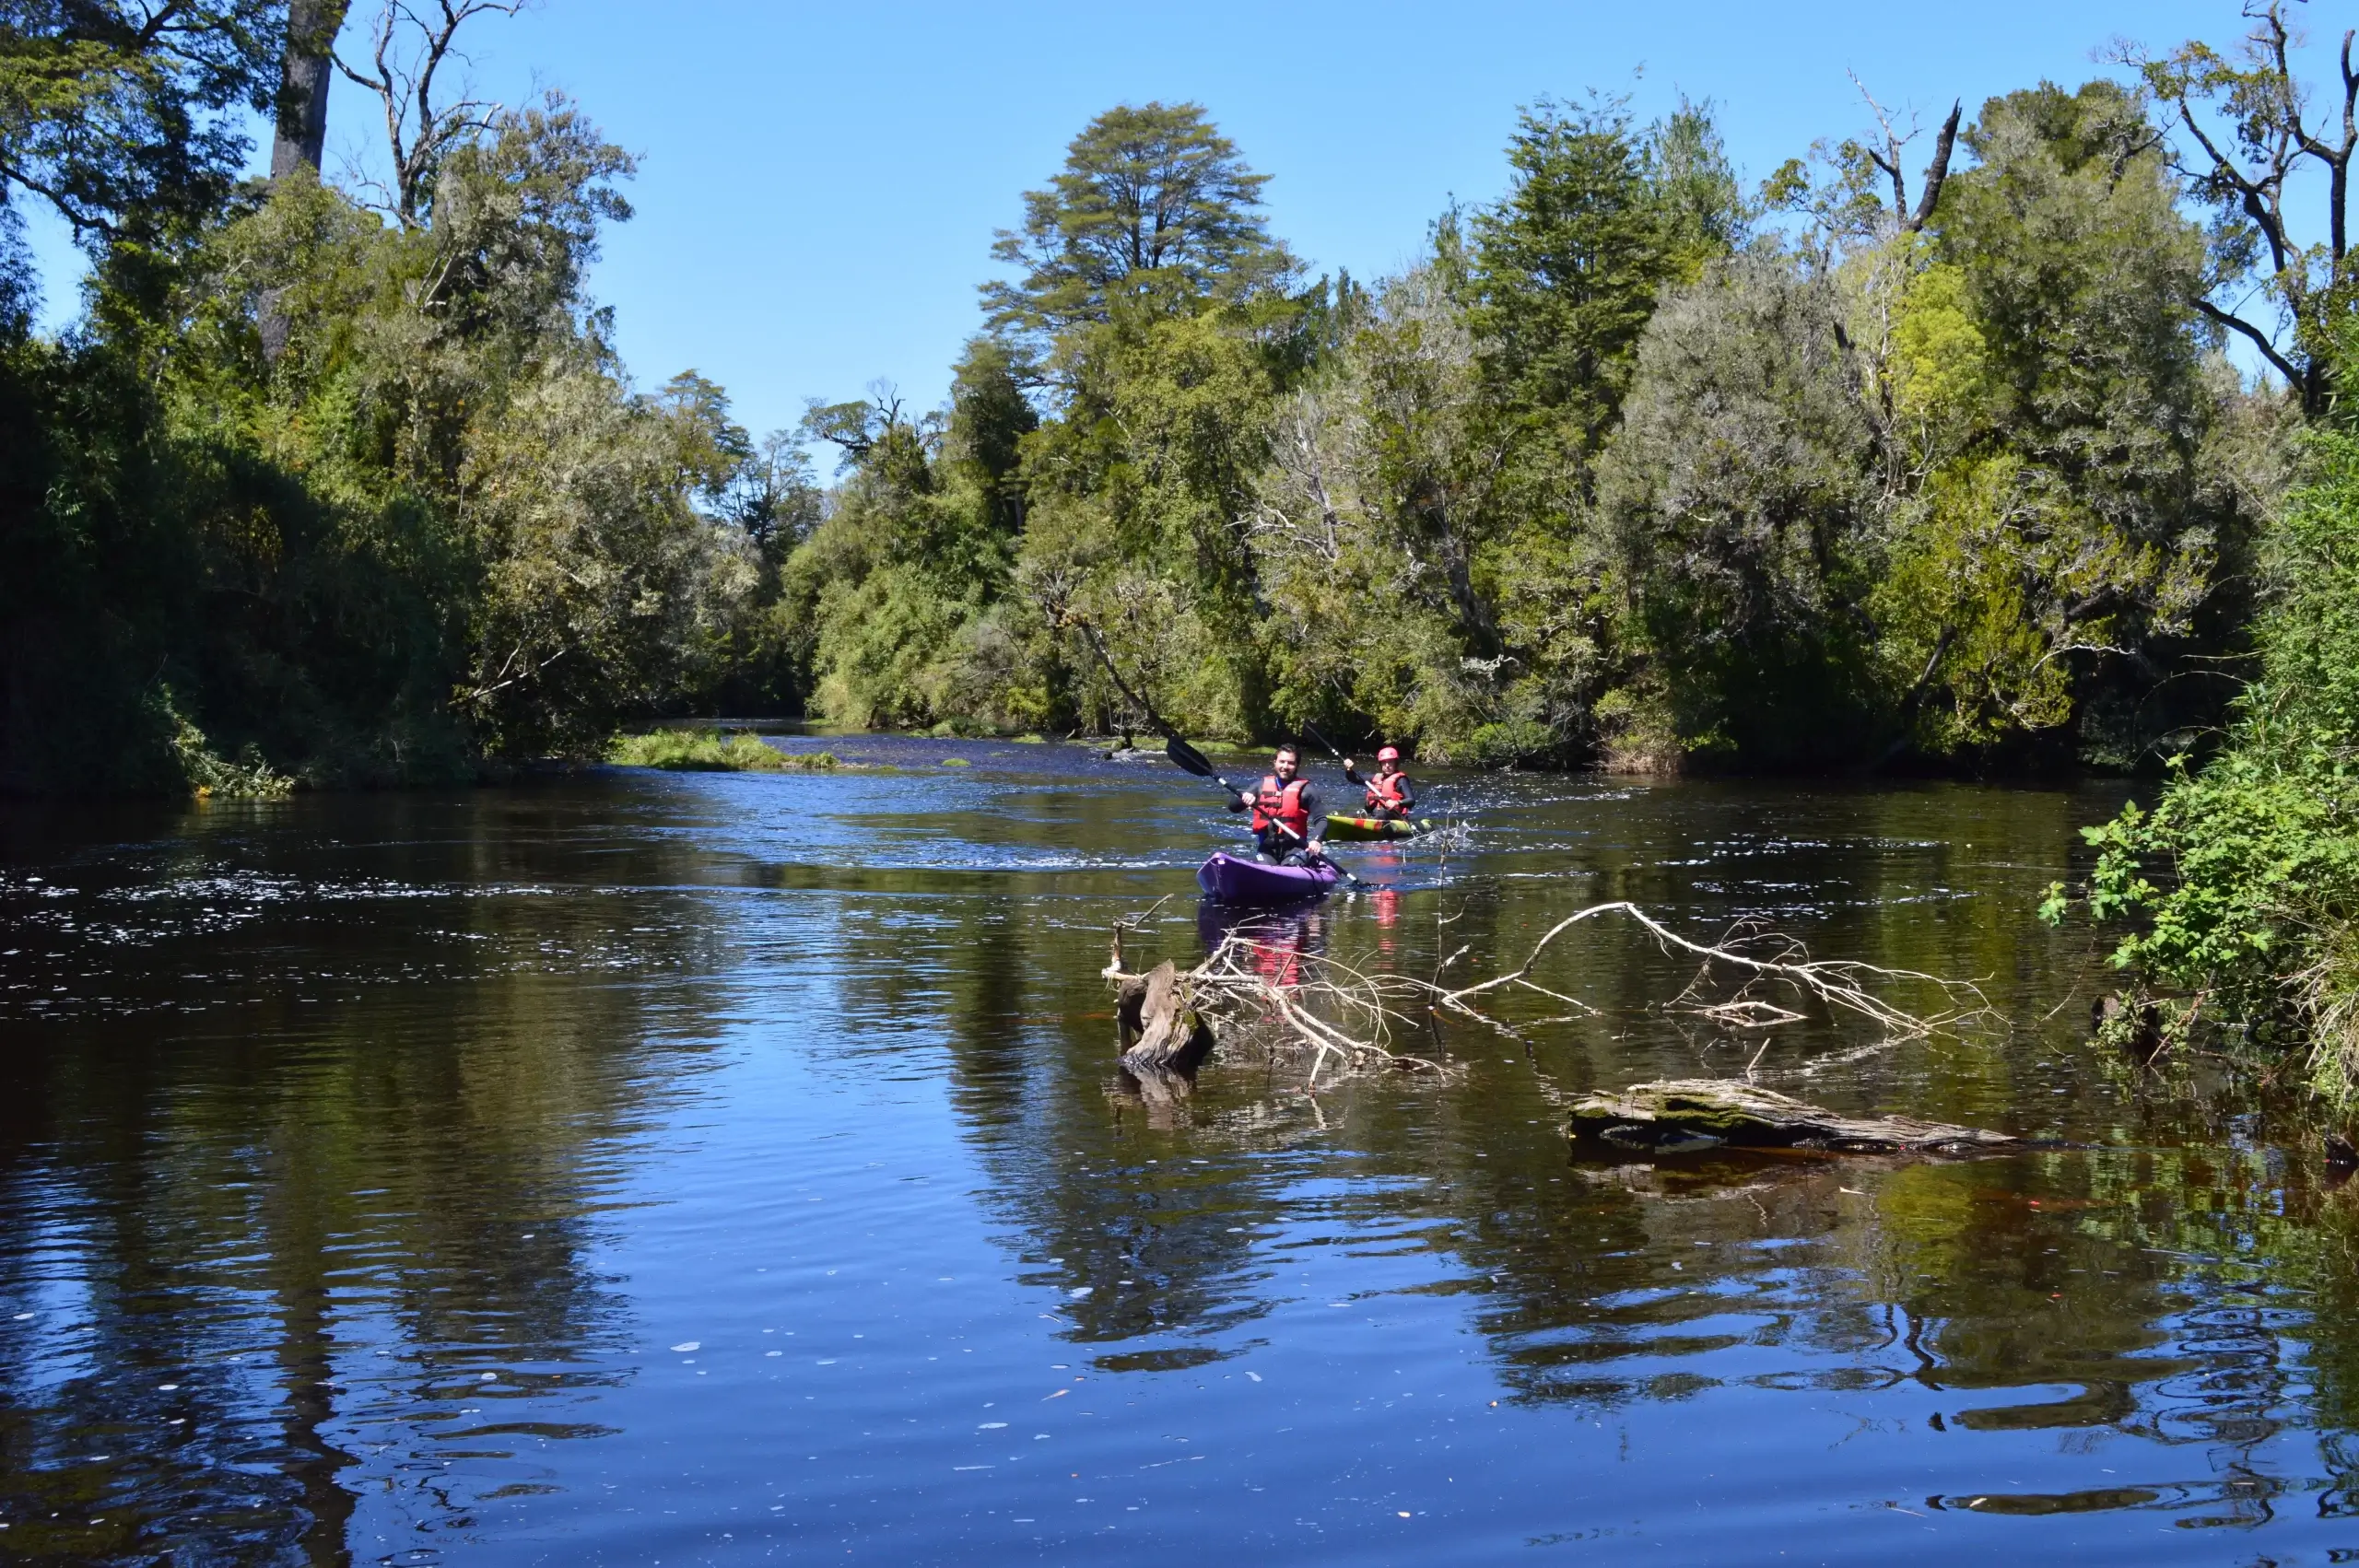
1332 1014
1845 985
1332 1020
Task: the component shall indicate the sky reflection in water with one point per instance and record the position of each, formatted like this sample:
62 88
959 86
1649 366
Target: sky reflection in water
728 1168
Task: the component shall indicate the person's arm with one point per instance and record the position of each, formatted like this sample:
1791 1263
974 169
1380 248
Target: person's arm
1350 774
1408 795
1315 830
1239 803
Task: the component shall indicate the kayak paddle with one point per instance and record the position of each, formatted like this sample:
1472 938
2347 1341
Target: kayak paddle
1185 757
1188 759
1312 731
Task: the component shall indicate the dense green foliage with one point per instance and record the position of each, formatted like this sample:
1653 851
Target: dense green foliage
2240 887
2244 878
1637 465
439 527
1620 469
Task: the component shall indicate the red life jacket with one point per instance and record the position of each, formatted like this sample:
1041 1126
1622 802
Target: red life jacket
1388 794
1274 802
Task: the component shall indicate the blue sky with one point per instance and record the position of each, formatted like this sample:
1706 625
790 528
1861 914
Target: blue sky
819 184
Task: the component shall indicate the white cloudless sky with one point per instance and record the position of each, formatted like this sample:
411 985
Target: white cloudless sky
819 184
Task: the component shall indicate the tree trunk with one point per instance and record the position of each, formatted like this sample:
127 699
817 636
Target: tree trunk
1161 1032
301 135
303 131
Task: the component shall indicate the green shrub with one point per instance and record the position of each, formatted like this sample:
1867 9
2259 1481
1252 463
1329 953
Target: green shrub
2244 879
705 751
249 778
1508 742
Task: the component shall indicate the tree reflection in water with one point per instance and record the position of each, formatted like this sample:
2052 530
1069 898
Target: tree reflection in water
250 1247
314 1115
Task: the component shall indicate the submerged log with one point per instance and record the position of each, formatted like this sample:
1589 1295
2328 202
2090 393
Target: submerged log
1692 1114
1162 1033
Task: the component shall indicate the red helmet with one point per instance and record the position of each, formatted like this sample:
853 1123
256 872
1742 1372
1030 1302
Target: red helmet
1389 753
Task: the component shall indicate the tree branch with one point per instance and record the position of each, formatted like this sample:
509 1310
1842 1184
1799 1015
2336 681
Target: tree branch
82 221
1936 173
417 135
1840 983
1889 159
2260 340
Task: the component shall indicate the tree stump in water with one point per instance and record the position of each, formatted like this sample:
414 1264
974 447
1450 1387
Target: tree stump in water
1162 1033
1691 1114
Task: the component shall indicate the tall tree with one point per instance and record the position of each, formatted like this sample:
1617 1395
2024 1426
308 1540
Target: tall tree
300 132
1704 209
1567 266
1153 202
1737 497
2050 384
989 416
2243 171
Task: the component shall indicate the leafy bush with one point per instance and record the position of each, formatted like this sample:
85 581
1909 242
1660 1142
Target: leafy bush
2244 878
249 778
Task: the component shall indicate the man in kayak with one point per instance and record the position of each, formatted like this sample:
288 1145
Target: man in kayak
1388 798
1288 825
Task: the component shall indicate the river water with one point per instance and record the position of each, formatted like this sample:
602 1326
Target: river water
648 1168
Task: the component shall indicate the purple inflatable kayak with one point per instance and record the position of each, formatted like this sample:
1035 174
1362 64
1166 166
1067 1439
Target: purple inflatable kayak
1233 881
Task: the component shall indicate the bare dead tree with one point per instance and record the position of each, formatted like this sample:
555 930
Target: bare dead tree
1887 157
2242 170
409 48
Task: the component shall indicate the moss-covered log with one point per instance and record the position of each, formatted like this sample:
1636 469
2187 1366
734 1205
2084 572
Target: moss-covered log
1692 1114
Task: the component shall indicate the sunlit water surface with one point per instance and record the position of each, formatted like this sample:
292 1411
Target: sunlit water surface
643 1169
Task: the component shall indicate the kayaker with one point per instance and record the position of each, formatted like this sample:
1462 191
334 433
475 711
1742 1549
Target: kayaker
1289 828
1389 796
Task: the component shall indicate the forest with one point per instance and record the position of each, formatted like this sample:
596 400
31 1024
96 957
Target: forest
2009 446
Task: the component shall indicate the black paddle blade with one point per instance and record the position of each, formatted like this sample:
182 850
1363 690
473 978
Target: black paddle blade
1187 758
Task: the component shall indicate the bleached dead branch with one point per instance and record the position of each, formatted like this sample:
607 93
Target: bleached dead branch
1296 1005
1843 984
1311 1005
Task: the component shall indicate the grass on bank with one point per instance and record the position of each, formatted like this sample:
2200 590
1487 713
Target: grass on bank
707 751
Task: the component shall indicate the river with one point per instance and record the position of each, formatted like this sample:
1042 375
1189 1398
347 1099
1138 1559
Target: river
648 1168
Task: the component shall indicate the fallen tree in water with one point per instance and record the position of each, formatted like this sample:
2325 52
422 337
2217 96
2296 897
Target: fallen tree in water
1288 1008
1689 1116
1170 1019
1844 984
